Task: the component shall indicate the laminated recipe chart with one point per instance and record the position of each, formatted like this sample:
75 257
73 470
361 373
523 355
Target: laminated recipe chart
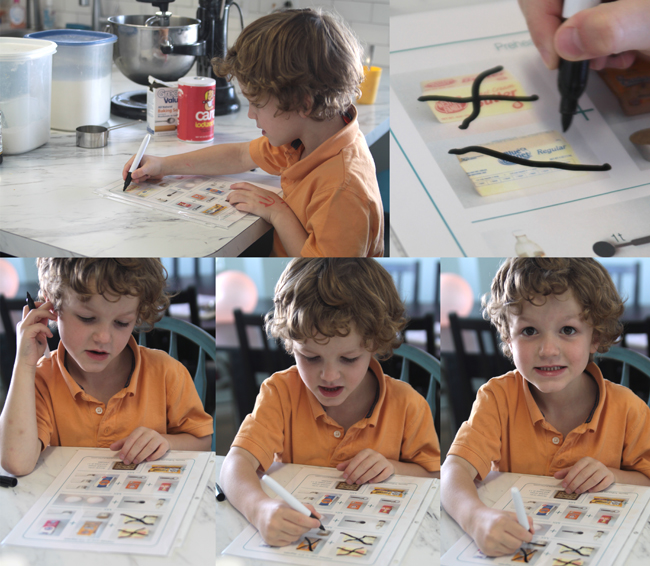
589 529
98 503
478 205
196 198
364 523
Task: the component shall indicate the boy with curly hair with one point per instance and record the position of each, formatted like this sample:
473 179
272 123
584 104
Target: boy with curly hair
99 388
300 71
335 407
555 415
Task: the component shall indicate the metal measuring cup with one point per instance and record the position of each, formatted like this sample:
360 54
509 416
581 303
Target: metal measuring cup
92 137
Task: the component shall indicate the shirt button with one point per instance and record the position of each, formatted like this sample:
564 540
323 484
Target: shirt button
556 440
337 434
99 410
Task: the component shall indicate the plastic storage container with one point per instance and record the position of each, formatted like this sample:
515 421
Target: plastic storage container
81 76
25 92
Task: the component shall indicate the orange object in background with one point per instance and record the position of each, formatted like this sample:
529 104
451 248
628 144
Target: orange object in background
370 85
631 86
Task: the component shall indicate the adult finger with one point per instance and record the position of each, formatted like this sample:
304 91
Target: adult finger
604 30
543 18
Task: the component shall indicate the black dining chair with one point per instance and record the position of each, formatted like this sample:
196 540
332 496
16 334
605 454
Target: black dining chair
259 356
477 358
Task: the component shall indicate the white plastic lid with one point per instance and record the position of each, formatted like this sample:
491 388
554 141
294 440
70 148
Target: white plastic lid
571 7
21 49
196 81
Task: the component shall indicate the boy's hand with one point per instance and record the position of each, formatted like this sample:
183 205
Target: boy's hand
246 197
280 525
150 168
142 444
498 532
366 466
587 474
32 332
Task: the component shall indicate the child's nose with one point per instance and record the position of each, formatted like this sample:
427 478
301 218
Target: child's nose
101 334
329 373
549 347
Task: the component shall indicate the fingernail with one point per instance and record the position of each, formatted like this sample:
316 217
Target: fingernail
546 57
568 42
121 456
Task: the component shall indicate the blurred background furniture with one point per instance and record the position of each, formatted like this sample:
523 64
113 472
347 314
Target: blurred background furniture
633 371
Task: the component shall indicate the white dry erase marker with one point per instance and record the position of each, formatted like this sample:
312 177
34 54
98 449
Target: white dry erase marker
136 161
289 499
519 508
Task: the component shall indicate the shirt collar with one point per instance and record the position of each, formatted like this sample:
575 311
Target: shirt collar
331 147
75 389
592 420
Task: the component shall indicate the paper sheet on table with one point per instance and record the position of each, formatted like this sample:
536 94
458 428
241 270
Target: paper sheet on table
565 215
196 198
98 504
365 524
590 529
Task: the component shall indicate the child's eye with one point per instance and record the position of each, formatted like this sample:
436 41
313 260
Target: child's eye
350 360
122 324
568 330
529 331
86 319
312 360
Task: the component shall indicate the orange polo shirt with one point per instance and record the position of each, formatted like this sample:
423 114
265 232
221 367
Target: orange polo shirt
507 432
289 425
333 192
160 395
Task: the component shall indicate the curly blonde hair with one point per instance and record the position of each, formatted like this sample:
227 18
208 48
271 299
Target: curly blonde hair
333 296
308 59
144 278
528 279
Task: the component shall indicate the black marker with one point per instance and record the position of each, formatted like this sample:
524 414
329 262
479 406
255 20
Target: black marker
32 306
8 481
572 75
221 496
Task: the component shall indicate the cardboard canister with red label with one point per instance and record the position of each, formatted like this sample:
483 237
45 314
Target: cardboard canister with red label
196 109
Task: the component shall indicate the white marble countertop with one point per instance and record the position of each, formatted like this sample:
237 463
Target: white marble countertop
197 549
489 492
48 205
424 549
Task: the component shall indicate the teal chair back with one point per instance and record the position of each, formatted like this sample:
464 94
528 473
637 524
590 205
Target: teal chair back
207 347
431 365
629 358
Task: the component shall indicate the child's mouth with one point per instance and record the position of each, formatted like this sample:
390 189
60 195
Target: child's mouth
330 391
550 370
97 354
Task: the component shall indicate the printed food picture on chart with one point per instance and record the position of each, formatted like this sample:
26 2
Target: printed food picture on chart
577 529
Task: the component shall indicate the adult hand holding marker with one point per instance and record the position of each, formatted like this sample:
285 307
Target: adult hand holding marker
289 499
609 34
136 160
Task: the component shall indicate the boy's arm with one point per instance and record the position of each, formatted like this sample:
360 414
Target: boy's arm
220 159
412 469
495 532
187 441
19 443
278 523
246 197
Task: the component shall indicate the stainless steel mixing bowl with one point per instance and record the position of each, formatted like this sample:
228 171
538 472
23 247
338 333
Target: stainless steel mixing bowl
166 52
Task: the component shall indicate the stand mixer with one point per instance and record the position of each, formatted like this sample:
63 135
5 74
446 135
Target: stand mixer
166 47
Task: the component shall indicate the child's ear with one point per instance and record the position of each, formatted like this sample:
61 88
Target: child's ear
595 343
307 107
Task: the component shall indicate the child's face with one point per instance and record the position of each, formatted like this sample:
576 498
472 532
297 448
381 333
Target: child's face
95 332
279 128
551 343
334 370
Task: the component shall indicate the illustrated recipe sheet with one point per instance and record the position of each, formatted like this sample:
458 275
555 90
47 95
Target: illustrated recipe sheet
200 199
474 204
98 503
590 529
364 523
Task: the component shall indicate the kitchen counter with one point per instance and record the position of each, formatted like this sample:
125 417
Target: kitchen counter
48 206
